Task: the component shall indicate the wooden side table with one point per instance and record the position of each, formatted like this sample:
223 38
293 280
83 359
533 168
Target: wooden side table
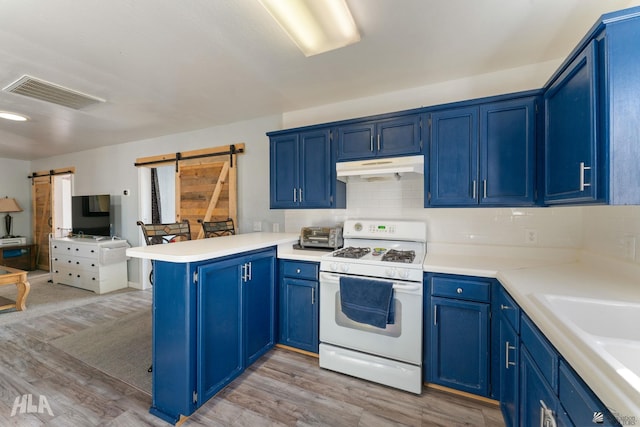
13 276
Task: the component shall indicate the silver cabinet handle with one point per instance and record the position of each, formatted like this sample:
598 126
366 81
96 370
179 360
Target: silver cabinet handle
371 144
475 189
507 348
313 296
505 307
250 270
484 184
300 193
582 183
459 290
378 142
294 196
435 315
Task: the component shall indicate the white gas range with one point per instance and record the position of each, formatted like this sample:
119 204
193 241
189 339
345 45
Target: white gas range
371 303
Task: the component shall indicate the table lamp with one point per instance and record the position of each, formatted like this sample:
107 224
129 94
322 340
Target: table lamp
8 205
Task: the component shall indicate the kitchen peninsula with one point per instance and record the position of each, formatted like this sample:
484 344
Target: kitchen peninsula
207 292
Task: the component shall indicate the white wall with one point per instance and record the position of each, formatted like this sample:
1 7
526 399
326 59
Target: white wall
505 81
14 183
111 170
555 227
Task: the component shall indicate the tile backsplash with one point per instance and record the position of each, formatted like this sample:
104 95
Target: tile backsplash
613 231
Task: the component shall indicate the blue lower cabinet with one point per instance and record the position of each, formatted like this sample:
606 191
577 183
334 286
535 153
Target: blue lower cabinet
457 328
211 320
299 303
220 355
538 403
509 373
581 405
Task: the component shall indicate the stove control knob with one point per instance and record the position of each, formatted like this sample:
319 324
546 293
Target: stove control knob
344 267
391 272
403 274
333 266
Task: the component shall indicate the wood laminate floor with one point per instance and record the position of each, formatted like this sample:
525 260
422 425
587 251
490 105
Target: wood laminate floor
282 389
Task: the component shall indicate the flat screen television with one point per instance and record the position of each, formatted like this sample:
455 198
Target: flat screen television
91 215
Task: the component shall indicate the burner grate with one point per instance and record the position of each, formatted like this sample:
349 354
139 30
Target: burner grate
393 255
351 252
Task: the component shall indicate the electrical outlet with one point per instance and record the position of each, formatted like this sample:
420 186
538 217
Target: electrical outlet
257 225
531 236
628 246
276 227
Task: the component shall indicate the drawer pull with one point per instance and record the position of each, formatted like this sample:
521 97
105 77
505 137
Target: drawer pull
459 290
298 271
508 363
505 307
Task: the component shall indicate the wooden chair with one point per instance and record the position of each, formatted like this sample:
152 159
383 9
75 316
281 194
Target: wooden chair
218 228
156 234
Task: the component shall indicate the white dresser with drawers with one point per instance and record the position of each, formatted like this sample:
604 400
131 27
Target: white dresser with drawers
88 263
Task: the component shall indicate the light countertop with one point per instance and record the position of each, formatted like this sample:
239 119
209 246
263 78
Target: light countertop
204 249
557 272
287 251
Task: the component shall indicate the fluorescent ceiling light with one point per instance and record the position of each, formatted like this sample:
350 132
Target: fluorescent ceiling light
315 26
13 116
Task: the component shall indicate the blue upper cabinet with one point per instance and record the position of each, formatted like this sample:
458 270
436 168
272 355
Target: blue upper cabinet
507 152
571 125
592 145
397 136
453 157
303 171
483 155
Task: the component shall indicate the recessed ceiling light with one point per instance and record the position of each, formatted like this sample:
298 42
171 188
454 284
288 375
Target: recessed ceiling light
13 116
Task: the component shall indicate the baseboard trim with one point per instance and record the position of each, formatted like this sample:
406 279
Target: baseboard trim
462 393
297 350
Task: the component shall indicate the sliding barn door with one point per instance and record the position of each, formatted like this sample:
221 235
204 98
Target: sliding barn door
205 185
206 190
42 202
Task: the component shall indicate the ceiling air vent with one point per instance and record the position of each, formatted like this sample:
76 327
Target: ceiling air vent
50 92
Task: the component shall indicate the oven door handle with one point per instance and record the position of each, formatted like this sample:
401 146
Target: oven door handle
335 278
407 287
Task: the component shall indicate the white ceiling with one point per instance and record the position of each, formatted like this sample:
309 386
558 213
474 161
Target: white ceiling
168 66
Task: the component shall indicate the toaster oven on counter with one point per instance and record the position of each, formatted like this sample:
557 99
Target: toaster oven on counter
329 238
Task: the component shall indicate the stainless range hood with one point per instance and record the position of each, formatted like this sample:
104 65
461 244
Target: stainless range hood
383 168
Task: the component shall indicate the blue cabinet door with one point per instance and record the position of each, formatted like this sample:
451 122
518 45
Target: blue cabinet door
316 171
507 152
356 141
571 132
454 157
399 136
284 173
396 136
509 373
459 345
299 314
258 304
535 393
220 349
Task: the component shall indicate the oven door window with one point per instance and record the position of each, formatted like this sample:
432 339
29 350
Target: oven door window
392 330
